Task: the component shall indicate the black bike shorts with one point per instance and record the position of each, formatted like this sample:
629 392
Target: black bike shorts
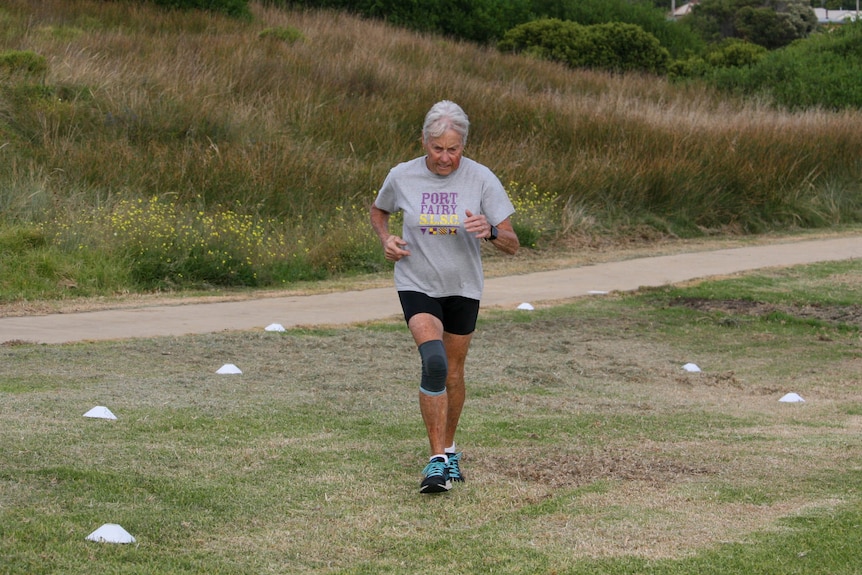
458 314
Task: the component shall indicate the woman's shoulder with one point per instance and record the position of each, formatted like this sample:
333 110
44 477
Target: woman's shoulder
473 167
408 166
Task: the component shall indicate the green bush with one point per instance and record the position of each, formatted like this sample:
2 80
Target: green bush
769 23
617 47
627 48
824 70
734 53
549 39
168 245
22 61
691 67
729 53
678 38
535 218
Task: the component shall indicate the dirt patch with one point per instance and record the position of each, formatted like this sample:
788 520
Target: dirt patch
833 314
565 469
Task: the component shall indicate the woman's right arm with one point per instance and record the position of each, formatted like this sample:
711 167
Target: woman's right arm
393 246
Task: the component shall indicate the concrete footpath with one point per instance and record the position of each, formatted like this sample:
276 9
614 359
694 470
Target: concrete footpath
372 304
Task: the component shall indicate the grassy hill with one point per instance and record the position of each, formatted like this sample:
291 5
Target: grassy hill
171 149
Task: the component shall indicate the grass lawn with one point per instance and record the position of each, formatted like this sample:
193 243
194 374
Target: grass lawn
587 447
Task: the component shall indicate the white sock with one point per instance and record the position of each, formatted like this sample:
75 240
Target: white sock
443 455
451 449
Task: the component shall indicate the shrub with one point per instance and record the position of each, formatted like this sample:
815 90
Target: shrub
823 70
168 245
691 67
549 39
165 244
729 53
679 39
535 215
770 23
22 61
616 46
627 48
733 53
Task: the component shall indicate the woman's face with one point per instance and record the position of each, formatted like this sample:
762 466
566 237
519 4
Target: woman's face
444 153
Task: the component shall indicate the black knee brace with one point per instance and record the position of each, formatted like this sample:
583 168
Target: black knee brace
435 367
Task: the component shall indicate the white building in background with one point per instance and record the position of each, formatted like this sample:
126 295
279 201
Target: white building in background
682 9
825 16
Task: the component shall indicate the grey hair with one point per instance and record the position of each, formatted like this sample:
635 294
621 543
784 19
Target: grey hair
442 116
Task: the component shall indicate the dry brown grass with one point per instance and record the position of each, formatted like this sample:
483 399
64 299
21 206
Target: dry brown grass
331 107
200 109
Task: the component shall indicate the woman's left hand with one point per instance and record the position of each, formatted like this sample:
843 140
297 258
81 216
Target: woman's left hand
477 225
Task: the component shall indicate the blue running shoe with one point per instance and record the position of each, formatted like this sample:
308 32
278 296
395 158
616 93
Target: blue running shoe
454 468
436 477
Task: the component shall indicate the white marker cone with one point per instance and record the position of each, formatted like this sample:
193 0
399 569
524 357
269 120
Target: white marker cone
791 398
526 306
274 327
228 368
110 533
101 412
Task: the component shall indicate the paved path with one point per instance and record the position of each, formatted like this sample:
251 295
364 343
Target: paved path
372 304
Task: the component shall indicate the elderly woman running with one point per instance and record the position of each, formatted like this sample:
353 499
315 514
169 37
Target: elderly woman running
451 205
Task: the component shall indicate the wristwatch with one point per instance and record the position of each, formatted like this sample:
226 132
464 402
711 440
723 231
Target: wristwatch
493 235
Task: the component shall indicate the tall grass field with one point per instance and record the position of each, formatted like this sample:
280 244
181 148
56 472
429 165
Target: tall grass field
144 149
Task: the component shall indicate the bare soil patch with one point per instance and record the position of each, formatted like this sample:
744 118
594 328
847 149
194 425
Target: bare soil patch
833 314
564 468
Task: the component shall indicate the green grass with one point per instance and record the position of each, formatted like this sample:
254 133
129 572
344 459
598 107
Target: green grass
803 548
588 448
826 283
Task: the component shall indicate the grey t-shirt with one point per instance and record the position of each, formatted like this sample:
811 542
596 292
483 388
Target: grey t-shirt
444 260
